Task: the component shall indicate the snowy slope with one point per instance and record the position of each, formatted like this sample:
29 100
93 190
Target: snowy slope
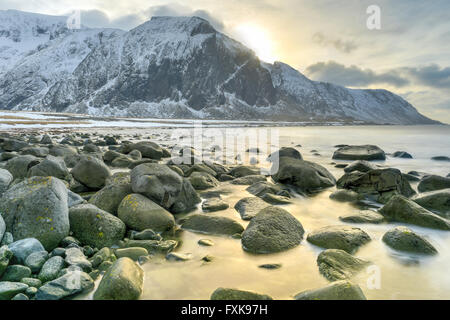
174 67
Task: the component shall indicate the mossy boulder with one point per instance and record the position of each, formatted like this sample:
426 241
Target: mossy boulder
433 183
436 201
50 167
338 290
5 180
404 239
10 289
95 227
123 281
235 294
110 197
335 264
203 181
203 223
249 207
91 172
66 286
272 230
365 216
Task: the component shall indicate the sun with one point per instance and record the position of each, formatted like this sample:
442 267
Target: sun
256 38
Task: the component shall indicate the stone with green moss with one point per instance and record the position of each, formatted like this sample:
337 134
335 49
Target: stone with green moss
338 290
404 239
235 294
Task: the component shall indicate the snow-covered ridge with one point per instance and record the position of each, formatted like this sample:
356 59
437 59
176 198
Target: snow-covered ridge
169 67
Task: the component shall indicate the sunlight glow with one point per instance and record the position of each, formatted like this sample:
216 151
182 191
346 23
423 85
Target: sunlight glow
256 39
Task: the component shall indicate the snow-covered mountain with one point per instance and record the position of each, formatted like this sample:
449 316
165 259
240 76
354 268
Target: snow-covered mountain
174 67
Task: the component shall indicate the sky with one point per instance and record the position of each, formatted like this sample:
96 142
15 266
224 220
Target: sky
327 40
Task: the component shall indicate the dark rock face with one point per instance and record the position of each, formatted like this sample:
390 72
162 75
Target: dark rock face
367 152
433 183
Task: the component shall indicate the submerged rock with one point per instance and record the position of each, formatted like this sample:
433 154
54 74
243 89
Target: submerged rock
345 238
123 281
366 216
248 180
338 290
250 207
272 230
214 204
305 176
285 152
404 239
260 189
337 264
212 225
366 152
234 294
400 209
345 196
243 171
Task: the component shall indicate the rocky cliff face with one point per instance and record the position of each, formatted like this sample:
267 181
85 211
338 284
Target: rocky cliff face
181 67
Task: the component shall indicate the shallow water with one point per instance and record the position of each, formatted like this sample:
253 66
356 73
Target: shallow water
402 276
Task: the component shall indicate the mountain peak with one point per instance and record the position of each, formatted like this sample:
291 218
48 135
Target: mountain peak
191 25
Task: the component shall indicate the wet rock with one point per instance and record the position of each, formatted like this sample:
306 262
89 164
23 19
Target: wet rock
15 273
270 266
165 187
380 184
272 230
366 216
123 281
338 290
76 257
122 162
234 294
203 181
361 166
110 197
206 242
20 165
95 227
41 203
259 189
285 152
243 171
337 264
250 207
147 234
402 154
140 213
202 168
23 248
436 201
50 166
214 204
32 282
212 225
305 176
248 180
441 158
5 257
10 289
400 209
153 246
91 172
36 260
103 255
148 149
433 183
70 284
175 256
20 297
345 238
404 239
132 253
345 196
275 199
51 269
366 152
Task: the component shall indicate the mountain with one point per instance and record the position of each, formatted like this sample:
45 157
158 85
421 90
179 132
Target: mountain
177 67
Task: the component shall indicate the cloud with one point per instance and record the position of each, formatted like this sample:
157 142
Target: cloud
353 76
338 44
431 76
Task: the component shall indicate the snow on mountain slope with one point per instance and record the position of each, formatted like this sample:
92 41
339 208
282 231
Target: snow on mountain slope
181 67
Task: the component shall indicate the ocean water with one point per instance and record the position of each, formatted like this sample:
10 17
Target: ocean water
396 275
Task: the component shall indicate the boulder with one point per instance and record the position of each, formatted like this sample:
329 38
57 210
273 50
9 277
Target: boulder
441 158
50 167
345 238
249 207
19 166
36 260
46 139
63 151
361 166
276 199
305 176
379 184
285 152
2 228
132 253
248 180
366 216
40 152
401 209
5 180
38 208
51 269
75 257
234 294
260 189
23 248
200 167
433 183
95 227
110 197
164 186
140 213
70 284
272 230
74 199
91 172
404 239
214 204
13 144
436 201
338 290
212 225
148 149
366 152
242 171
337 264
5 256
153 246
123 281
203 181
10 289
